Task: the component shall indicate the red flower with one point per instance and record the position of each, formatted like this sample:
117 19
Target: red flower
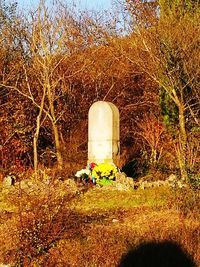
92 165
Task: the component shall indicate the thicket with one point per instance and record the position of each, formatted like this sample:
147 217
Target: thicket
53 67
55 62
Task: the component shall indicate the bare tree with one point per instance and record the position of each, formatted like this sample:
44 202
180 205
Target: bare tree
167 50
38 75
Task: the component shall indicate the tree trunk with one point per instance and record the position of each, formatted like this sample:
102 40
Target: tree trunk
36 134
55 128
183 143
57 145
35 141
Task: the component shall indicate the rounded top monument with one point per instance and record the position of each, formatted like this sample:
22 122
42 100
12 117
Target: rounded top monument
103 132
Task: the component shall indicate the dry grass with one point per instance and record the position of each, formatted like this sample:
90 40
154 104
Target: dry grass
109 198
95 228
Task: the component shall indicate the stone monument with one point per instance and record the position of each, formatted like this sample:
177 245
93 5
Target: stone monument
103 133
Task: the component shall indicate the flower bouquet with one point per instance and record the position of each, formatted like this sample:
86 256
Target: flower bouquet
104 173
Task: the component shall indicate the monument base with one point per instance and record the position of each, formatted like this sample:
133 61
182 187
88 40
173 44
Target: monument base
98 161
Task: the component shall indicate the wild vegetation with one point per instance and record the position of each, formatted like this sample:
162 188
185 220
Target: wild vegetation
54 63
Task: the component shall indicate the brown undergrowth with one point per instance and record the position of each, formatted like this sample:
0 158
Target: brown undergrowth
50 226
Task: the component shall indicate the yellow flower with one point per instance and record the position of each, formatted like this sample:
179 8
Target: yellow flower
104 170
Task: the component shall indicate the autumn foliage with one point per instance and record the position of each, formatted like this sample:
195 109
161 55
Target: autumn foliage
55 61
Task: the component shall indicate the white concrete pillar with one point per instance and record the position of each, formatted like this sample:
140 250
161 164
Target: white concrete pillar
103 133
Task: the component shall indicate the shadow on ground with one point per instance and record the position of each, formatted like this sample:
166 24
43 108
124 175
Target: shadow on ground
157 254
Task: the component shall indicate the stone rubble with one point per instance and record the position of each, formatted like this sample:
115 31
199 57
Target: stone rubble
126 183
122 183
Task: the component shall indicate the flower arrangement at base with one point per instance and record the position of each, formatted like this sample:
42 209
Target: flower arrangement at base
104 173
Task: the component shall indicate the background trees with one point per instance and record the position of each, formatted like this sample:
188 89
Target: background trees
54 65
167 50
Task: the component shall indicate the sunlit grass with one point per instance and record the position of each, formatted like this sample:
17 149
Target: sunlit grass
94 227
108 199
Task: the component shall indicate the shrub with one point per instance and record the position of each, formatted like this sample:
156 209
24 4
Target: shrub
38 215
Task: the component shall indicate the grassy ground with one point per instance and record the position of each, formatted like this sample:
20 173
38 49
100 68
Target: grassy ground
134 217
108 198
97 227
